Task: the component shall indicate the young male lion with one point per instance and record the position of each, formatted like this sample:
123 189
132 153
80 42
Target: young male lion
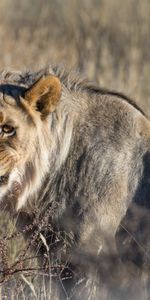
76 156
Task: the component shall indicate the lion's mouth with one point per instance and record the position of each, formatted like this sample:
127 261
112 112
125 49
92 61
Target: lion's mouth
4 179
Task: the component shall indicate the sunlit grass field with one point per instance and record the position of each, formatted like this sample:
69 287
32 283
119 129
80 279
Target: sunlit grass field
106 40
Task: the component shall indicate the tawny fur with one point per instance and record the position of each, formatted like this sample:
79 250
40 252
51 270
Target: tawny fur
79 149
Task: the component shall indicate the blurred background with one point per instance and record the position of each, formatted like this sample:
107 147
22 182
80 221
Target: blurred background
107 40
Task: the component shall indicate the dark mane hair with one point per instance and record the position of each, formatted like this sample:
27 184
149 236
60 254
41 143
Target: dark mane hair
72 80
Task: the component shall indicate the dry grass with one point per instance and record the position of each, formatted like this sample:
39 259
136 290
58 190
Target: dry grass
107 40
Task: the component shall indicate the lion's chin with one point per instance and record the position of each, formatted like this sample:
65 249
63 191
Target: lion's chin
4 179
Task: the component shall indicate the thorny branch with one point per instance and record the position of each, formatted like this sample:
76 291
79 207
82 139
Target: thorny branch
8 269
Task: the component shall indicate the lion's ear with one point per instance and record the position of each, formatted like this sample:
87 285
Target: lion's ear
44 94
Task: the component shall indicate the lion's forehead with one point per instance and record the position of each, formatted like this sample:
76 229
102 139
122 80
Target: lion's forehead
10 113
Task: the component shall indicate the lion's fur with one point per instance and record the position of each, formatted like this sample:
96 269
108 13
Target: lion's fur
84 157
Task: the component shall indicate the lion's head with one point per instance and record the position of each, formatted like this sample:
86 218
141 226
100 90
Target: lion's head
25 137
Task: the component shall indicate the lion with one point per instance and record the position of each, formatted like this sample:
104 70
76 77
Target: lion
77 152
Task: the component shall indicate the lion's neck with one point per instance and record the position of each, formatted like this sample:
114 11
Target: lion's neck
53 149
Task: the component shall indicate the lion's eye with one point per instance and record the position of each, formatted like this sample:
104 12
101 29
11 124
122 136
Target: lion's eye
8 130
